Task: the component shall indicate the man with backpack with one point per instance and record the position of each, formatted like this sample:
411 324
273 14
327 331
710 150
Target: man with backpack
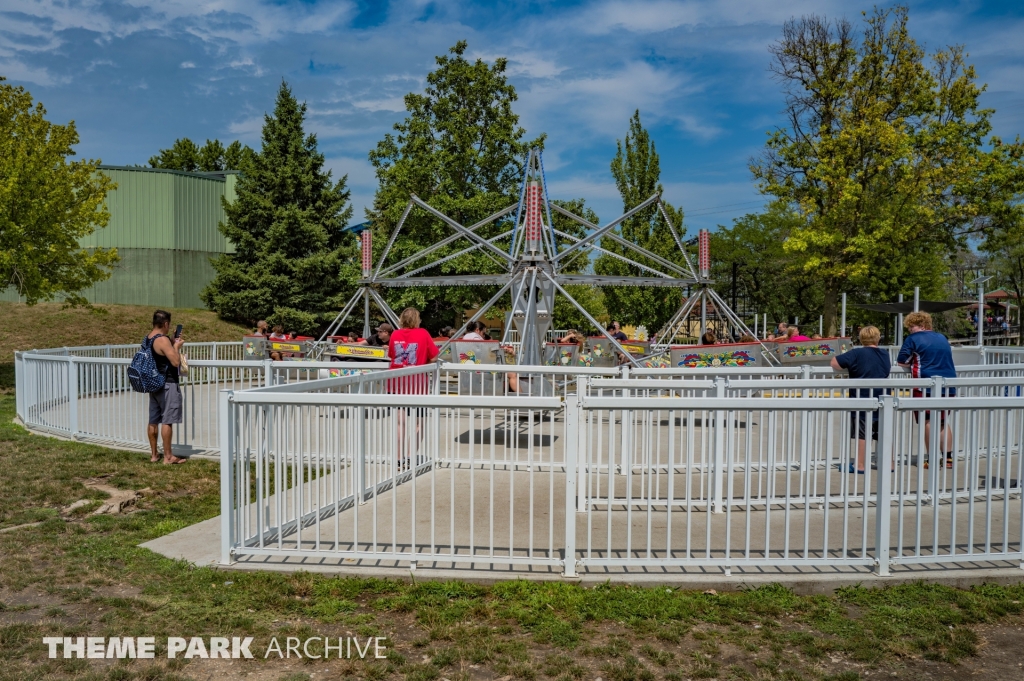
165 394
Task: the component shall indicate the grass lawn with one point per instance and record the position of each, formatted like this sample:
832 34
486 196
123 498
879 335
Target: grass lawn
50 325
72 573
79 574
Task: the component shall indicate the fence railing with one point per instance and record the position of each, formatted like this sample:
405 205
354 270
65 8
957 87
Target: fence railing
625 474
571 469
89 397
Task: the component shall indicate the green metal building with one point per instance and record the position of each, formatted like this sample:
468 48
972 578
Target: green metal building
164 226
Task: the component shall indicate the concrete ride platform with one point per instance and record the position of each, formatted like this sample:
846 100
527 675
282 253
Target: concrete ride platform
200 543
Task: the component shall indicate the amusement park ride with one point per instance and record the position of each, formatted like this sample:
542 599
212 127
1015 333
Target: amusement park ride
535 267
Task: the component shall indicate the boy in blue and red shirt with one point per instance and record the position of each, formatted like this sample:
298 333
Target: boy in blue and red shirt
927 354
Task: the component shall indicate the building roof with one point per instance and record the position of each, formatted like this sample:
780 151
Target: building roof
215 175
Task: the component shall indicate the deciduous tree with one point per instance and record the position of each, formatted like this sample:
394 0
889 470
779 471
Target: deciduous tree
884 153
47 204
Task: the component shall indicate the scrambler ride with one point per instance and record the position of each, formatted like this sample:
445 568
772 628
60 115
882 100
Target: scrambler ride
535 271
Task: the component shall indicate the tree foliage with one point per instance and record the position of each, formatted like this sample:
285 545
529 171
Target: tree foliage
213 156
767 276
461 150
637 172
293 264
885 155
47 204
1004 245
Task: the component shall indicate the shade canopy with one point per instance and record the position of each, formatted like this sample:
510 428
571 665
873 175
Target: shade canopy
907 307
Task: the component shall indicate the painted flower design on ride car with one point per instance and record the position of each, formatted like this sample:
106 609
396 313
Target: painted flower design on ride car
658 362
467 357
703 360
810 350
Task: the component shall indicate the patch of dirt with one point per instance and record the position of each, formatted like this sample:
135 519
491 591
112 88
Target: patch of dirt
120 501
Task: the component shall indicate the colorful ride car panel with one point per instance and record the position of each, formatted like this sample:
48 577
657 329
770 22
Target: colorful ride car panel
477 352
818 352
717 356
662 361
355 351
561 354
254 348
446 354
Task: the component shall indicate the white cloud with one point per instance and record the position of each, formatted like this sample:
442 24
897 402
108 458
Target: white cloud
187 65
15 70
664 15
248 130
603 100
382 104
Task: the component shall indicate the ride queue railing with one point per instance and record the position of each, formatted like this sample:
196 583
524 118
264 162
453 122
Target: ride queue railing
625 474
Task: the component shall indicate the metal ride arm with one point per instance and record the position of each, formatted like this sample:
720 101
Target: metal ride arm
515 296
614 255
519 206
447 280
394 235
619 240
479 313
611 280
453 256
680 314
459 228
679 242
385 308
443 242
607 228
739 322
340 319
593 321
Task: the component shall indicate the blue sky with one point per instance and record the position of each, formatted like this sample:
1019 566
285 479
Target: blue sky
136 74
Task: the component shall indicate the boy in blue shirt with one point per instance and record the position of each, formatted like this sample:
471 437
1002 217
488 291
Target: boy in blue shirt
867 361
927 354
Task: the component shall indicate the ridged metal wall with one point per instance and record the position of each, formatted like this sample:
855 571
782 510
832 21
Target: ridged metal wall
164 224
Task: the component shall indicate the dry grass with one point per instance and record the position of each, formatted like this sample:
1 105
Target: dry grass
51 325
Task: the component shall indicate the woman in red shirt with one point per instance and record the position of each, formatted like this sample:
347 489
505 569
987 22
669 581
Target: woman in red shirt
409 346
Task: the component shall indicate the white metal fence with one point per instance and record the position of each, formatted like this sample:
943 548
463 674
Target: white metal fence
88 397
622 474
565 469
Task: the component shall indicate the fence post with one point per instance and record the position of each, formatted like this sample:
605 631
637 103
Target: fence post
883 490
19 386
361 456
227 477
268 372
72 397
718 437
213 352
572 433
581 446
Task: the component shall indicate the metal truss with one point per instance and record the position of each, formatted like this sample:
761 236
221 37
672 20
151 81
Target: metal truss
536 261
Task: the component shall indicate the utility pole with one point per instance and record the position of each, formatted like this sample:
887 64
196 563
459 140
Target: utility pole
980 281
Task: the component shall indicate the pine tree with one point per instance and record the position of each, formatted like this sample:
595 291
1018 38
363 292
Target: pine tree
186 155
293 264
637 172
